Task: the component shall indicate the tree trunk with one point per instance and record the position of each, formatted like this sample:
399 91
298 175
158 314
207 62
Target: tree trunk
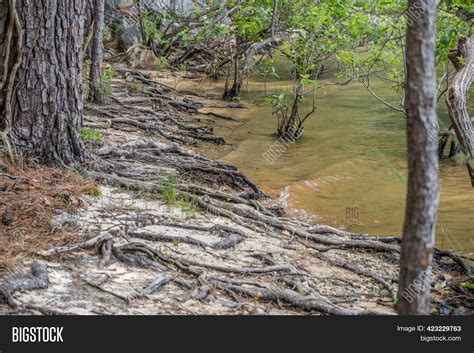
41 77
241 72
274 17
141 22
96 51
290 125
423 184
88 29
234 91
456 98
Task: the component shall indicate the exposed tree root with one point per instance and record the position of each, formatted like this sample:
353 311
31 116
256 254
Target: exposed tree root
223 244
283 295
90 243
154 286
243 214
385 282
38 279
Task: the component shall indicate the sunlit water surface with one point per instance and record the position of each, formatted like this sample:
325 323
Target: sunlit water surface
349 169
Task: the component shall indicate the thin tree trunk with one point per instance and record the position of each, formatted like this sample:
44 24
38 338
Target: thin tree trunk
234 91
141 22
423 184
289 125
42 105
456 98
274 17
88 29
97 51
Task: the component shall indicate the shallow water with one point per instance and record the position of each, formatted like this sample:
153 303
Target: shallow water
349 169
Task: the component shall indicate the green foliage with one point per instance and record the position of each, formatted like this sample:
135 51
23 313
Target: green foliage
134 86
105 87
170 189
267 68
380 28
250 18
187 207
162 63
183 67
366 37
89 134
151 22
319 32
281 106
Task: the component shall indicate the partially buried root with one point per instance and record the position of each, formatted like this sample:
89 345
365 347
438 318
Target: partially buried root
143 255
37 279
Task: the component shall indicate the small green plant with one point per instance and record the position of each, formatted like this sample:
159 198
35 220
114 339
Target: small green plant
162 64
105 88
183 67
89 134
188 208
170 189
469 286
134 86
93 190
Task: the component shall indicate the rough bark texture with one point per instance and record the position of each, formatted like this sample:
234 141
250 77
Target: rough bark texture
96 51
456 98
274 16
46 96
38 279
3 29
423 183
88 29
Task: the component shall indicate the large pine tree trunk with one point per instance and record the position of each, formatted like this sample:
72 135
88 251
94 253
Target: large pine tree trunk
42 100
456 98
423 184
96 50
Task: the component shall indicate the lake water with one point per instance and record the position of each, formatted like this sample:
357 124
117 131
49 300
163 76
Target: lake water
349 169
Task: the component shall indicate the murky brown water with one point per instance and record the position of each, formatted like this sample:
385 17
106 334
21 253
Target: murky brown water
352 155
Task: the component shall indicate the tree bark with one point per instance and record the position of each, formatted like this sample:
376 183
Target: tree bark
41 78
456 98
423 184
274 17
290 124
88 29
234 91
96 51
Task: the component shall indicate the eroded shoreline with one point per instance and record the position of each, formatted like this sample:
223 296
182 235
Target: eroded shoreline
175 232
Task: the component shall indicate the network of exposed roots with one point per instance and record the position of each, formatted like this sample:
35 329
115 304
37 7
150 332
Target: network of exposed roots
175 232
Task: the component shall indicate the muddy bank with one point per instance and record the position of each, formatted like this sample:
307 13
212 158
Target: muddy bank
174 232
